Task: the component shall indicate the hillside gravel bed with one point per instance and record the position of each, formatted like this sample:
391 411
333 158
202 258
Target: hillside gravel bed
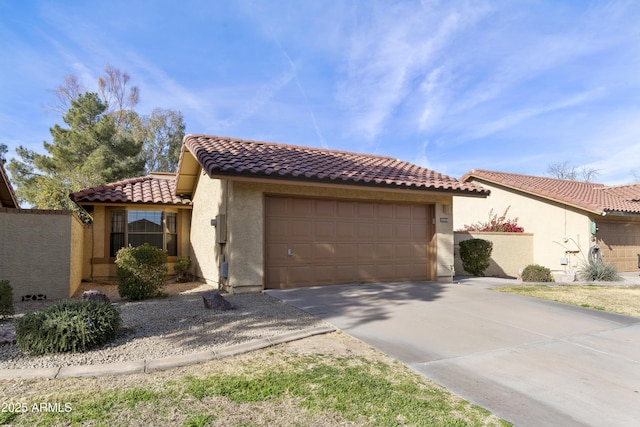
175 325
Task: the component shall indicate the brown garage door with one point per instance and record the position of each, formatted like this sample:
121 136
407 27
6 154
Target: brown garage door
620 243
312 242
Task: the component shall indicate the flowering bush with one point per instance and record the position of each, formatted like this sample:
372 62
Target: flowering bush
497 223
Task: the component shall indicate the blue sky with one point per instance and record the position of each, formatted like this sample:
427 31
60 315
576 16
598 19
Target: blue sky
450 85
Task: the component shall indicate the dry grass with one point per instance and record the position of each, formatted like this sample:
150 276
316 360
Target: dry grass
615 299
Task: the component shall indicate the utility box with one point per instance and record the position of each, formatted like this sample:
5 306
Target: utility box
221 228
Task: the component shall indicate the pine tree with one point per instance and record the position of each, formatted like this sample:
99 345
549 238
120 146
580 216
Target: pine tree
89 152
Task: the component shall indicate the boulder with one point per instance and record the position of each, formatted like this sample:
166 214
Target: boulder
95 295
214 301
7 337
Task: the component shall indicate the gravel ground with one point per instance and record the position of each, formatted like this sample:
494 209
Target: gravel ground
162 327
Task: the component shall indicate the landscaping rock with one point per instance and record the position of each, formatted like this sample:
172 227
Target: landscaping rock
7 337
95 295
214 301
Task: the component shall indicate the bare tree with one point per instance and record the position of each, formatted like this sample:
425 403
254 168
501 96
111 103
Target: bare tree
68 91
565 170
113 90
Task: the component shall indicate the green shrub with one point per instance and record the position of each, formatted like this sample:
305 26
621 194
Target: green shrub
536 273
74 326
599 271
475 255
142 271
182 268
6 299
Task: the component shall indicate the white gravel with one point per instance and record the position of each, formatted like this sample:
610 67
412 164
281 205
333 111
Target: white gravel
176 325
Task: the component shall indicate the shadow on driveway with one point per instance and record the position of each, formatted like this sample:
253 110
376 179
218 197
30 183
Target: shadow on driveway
360 303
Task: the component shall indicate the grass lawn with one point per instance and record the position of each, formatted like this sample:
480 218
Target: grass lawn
616 299
283 386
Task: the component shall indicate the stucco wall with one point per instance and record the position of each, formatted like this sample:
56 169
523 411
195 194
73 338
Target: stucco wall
511 252
245 222
209 200
558 230
41 252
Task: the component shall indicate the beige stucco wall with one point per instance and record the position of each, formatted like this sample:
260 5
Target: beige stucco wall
243 203
209 200
511 252
558 230
41 252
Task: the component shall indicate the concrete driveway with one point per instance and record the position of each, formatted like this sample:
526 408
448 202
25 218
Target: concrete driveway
531 362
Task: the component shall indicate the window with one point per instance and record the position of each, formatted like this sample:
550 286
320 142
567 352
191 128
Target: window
159 229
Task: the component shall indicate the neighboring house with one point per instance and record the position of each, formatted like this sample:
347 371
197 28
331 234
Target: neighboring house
132 212
255 215
8 197
567 218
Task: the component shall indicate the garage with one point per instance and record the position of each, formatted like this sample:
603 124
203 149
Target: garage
620 244
312 242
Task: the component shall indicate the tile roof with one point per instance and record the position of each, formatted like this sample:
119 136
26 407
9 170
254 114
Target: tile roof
589 196
153 189
8 197
222 156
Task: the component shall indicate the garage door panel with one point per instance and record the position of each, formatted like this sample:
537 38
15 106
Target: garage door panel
366 231
300 231
403 231
276 253
338 241
324 230
385 211
366 210
323 252
366 251
301 274
276 207
345 209
346 230
325 208
619 244
385 250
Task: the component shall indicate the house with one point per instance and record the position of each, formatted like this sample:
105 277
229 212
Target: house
255 215
568 219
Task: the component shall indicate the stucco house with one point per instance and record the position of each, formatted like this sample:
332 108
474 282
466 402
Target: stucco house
255 215
567 218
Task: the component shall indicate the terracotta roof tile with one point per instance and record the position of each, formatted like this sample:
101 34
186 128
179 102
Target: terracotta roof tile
223 156
146 189
593 197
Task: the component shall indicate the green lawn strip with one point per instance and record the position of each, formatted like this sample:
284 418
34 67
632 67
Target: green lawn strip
351 388
615 299
361 391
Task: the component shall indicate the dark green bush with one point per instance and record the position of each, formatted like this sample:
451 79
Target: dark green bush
6 299
182 268
74 326
599 271
142 271
536 273
475 255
